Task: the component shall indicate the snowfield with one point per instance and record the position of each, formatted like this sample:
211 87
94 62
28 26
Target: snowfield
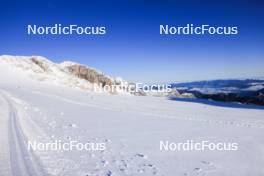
49 107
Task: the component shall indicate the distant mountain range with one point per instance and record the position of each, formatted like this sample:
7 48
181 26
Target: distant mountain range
249 91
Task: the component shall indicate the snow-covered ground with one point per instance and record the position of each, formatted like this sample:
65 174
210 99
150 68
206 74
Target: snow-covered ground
130 126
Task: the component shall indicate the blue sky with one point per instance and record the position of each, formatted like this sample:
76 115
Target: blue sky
133 48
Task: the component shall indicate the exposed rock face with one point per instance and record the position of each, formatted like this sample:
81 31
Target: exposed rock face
39 63
80 71
90 75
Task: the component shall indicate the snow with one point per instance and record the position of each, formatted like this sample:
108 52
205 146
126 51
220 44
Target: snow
255 87
130 126
216 90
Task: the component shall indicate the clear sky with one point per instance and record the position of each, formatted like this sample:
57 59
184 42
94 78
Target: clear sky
133 47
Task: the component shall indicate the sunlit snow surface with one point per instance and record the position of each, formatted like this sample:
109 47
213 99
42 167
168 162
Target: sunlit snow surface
131 126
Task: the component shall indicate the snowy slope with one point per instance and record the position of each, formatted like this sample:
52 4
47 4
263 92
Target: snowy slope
48 72
43 70
44 110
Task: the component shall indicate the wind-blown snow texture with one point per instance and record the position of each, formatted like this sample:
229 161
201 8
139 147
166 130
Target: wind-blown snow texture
46 107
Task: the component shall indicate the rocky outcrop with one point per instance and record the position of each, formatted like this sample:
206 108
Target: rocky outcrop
39 63
90 75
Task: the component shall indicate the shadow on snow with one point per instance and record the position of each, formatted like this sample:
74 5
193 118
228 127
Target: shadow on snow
218 103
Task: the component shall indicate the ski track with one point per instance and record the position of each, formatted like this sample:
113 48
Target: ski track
22 161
